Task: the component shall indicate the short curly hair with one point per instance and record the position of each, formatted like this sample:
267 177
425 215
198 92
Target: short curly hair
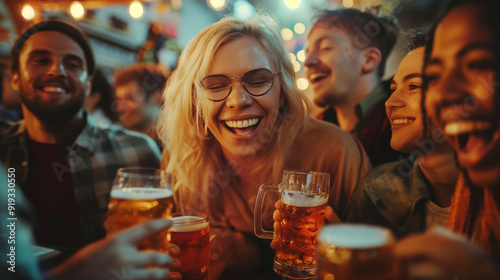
382 31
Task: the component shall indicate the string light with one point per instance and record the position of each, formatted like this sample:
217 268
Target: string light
217 5
76 10
136 9
28 12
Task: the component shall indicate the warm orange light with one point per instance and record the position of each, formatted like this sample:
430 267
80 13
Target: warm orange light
76 10
28 12
348 3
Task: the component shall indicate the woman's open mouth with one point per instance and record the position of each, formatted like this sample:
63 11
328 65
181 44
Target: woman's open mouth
470 134
242 127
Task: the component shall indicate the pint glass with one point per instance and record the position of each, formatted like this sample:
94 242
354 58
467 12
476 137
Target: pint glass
304 196
356 252
192 235
139 195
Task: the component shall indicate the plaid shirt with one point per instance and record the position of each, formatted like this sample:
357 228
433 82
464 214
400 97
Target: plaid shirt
93 160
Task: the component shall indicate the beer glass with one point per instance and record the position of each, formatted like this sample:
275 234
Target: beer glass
139 195
192 235
304 196
356 252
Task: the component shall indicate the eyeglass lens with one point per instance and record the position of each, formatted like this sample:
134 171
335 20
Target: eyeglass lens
256 82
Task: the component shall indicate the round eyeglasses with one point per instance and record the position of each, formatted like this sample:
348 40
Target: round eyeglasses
256 82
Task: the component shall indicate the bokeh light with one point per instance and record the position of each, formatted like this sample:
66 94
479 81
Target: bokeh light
217 5
292 4
301 56
348 3
76 10
296 66
28 12
136 9
299 28
302 83
177 4
286 34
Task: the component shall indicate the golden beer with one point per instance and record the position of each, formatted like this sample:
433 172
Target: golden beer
302 218
192 235
130 206
304 196
355 252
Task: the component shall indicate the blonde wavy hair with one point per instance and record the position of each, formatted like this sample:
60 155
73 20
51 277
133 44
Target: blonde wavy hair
194 156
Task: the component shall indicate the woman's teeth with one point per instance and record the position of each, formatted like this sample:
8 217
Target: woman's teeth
402 121
466 126
242 123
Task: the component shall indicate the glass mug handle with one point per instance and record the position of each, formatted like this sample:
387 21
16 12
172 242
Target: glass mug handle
257 224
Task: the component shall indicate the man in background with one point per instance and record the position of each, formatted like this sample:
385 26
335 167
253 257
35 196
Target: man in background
346 54
138 91
64 164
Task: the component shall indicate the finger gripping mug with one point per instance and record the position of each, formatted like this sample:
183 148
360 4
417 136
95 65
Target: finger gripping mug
304 196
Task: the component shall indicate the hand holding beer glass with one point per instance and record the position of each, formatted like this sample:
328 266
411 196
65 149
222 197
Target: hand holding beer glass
304 196
139 195
191 235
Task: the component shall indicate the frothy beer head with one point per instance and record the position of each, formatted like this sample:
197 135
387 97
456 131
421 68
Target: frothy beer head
356 236
140 193
188 224
298 199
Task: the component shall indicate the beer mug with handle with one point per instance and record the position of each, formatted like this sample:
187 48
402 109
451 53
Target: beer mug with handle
304 196
139 195
356 252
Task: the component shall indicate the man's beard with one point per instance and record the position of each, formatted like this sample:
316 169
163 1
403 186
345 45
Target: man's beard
47 112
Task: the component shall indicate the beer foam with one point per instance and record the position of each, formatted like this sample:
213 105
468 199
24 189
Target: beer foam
296 198
141 193
195 224
355 236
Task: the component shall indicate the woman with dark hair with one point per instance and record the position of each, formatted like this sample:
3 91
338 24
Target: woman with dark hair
413 194
460 73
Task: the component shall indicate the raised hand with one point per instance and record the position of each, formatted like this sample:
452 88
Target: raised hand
117 256
442 254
